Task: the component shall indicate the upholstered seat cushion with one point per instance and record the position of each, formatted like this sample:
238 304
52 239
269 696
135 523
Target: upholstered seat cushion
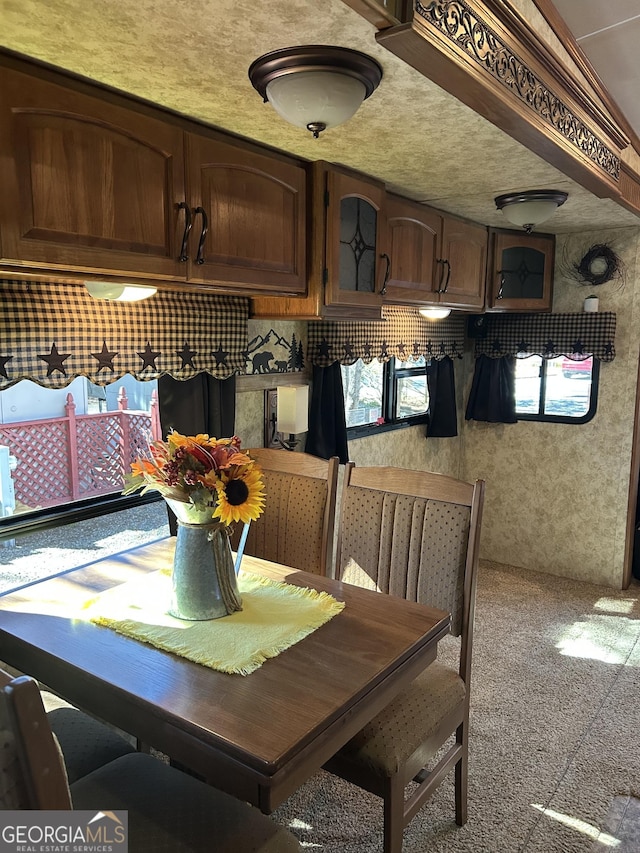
86 743
384 744
170 811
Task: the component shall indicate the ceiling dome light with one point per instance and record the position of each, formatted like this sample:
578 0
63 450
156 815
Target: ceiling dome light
434 313
530 208
118 292
315 86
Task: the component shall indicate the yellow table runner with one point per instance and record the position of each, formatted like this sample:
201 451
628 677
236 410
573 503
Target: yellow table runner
274 616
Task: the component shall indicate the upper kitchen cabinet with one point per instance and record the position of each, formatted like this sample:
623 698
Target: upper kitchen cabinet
435 258
87 186
356 258
98 185
248 213
349 259
464 252
416 270
520 271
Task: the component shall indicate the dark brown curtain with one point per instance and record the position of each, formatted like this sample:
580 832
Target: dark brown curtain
493 391
327 435
197 405
443 418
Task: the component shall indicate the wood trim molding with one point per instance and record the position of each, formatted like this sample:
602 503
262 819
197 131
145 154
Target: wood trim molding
371 10
630 188
485 53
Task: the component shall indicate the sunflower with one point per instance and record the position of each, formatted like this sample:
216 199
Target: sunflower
240 494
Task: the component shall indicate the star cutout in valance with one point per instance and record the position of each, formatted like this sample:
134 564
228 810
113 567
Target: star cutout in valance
55 360
105 358
3 365
149 357
187 355
220 355
323 348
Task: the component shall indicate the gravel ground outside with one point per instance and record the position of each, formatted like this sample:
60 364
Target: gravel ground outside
34 556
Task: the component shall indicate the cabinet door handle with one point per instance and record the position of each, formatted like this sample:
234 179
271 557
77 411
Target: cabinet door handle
386 273
444 263
499 294
203 234
183 256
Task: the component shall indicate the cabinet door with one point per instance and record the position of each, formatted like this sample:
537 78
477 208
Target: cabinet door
354 241
522 271
87 185
255 208
464 249
414 240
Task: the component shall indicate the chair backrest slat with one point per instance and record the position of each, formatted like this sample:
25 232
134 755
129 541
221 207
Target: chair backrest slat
413 534
298 522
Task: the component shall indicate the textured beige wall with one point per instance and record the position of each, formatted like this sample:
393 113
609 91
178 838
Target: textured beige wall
557 494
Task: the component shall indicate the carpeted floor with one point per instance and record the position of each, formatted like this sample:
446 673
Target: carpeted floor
555 733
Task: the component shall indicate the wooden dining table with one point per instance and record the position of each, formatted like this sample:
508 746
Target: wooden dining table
260 736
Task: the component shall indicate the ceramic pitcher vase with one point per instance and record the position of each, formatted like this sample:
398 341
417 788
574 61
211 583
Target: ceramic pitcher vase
204 580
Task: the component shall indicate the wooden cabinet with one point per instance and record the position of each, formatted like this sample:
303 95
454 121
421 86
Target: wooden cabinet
416 270
520 272
249 215
436 259
356 258
86 184
95 185
464 249
349 257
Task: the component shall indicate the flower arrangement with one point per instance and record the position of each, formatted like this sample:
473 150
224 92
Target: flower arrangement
207 473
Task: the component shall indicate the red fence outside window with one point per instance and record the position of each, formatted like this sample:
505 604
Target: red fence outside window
66 459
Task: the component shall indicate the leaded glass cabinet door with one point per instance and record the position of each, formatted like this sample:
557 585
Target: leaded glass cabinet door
522 271
355 258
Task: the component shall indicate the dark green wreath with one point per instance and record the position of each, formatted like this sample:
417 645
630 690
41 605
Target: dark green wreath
602 253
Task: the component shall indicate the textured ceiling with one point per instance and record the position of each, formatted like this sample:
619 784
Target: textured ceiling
609 33
192 57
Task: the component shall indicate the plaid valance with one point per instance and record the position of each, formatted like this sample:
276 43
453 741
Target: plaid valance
549 335
403 333
51 332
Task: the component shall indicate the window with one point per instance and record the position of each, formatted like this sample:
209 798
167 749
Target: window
560 390
380 396
64 452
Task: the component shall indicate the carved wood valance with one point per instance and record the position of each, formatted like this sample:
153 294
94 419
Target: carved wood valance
486 54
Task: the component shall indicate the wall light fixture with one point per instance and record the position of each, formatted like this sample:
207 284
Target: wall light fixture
292 413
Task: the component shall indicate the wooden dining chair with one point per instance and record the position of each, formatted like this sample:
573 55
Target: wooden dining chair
86 742
416 535
167 810
298 522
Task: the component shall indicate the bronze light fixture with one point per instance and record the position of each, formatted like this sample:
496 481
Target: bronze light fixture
530 208
315 86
